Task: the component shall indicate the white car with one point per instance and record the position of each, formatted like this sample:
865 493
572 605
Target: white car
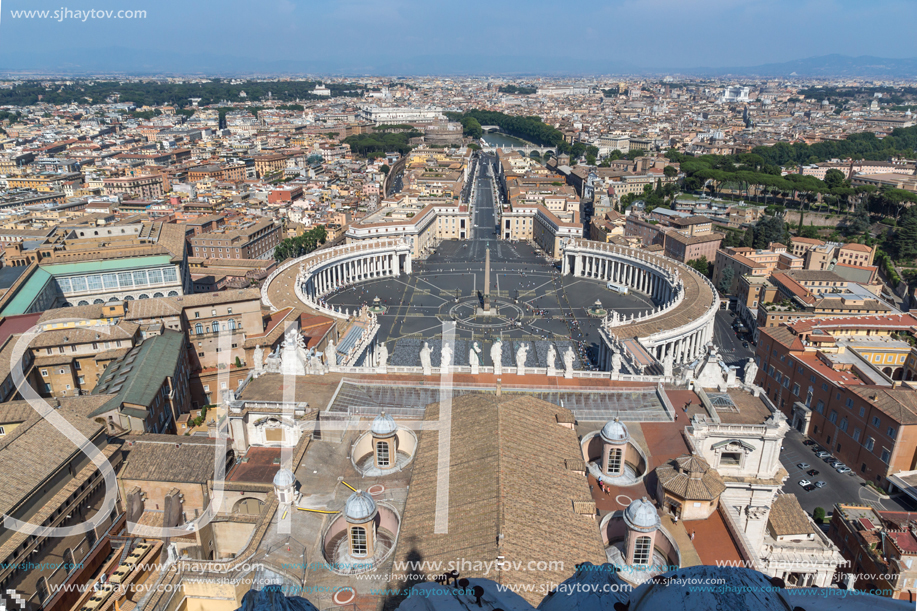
803 465
843 469
804 482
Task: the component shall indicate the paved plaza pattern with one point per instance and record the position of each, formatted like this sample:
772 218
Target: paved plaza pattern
531 302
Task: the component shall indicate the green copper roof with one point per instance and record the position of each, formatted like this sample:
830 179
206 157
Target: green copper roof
27 293
89 267
138 375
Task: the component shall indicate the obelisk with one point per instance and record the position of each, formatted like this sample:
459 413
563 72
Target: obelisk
487 280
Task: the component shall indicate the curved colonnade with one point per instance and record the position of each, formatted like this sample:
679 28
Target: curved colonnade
306 280
679 328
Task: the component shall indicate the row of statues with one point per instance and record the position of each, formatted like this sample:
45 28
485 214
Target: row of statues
496 357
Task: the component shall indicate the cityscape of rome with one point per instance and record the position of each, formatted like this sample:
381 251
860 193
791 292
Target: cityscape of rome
406 306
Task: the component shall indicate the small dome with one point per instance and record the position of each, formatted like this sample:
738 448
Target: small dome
360 507
284 478
383 426
641 515
615 432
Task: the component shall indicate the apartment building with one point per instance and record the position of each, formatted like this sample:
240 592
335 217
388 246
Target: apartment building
836 379
151 186
253 240
880 548
147 386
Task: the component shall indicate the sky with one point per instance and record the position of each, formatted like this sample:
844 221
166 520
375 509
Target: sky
455 36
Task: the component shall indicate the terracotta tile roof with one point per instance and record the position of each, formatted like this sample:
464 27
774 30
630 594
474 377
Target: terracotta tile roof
787 516
507 477
690 478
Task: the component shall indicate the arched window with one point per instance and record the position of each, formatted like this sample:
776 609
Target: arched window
173 293
199 328
215 326
97 301
614 461
642 550
382 456
232 324
358 541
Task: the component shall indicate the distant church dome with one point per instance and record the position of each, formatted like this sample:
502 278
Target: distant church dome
641 515
615 432
284 478
383 426
360 507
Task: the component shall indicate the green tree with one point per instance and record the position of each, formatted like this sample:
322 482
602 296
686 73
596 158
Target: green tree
904 240
835 178
670 171
701 265
385 169
818 515
725 285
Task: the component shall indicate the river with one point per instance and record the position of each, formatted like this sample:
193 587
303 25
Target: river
498 139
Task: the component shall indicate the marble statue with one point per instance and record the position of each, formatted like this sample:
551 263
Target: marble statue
522 354
551 357
426 360
291 361
751 370
258 357
668 365
446 355
616 363
496 356
569 357
474 359
331 354
382 355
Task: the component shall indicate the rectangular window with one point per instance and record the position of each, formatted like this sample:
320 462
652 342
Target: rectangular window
110 281
876 422
862 411
94 283
892 432
155 276
856 434
833 417
796 389
140 278
870 442
642 550
820 407
843 425
358 541
382 455
125 280
849 402
78 284
886 456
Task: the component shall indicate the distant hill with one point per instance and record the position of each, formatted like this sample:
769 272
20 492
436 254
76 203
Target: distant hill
823 66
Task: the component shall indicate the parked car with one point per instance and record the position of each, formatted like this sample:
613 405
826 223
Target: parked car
804 482
808 442
830 460
803 465
823 454
820 484
809 488
745 344
843 469
812 472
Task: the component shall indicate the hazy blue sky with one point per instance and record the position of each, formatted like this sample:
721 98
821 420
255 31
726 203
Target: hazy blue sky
460 35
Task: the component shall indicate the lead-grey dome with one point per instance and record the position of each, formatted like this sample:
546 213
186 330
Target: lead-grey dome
615 432
284 478
383 426
360 507
641 515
